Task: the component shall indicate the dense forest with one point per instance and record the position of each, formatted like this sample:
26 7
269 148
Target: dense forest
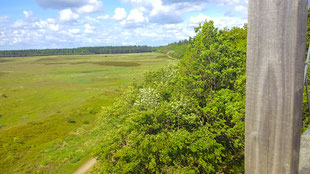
175 50
77 51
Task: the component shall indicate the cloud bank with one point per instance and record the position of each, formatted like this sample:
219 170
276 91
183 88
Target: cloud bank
79 23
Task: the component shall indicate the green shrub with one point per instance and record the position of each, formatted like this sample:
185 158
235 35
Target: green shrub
183 119
70 120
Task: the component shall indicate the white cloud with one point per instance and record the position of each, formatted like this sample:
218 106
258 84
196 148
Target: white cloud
229 22
51 20
173 11
61 4
219 22
84 8
92 7
19 24
77 6
53 27
89 19
89 28
198 19
4 19
128 43
87 9
185 1
40 24
104 17
147 22
135 18
234 7
242 9
28 14
74 31
161 12
139 3
120 14
67 15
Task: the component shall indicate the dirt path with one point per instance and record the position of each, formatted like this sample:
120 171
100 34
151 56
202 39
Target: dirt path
169 55
86 166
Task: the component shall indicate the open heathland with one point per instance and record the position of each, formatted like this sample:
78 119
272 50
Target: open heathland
48 106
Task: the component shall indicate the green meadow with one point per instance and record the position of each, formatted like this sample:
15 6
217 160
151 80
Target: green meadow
48 106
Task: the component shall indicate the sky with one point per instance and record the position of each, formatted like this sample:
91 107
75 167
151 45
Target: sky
40 24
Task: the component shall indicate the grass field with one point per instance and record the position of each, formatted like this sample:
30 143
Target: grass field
48 106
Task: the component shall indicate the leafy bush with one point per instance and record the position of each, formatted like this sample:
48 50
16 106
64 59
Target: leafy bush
187 118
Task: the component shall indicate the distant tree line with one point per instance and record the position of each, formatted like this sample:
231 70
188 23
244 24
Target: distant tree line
77 51
176 49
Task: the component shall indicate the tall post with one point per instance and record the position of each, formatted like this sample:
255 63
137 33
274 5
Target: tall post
275 66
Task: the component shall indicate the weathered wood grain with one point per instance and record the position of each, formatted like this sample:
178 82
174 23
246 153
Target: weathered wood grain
275 64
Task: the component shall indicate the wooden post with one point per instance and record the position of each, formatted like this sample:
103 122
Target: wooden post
275 65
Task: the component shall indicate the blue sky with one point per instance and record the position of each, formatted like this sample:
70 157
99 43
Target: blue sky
38 24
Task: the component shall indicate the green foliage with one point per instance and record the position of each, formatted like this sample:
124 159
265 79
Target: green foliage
175 50
77 51
306 115
187 118
215 60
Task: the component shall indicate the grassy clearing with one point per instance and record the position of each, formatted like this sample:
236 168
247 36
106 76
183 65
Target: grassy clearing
48 106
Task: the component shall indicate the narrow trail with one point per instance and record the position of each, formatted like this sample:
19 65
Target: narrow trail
86 166
169 55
